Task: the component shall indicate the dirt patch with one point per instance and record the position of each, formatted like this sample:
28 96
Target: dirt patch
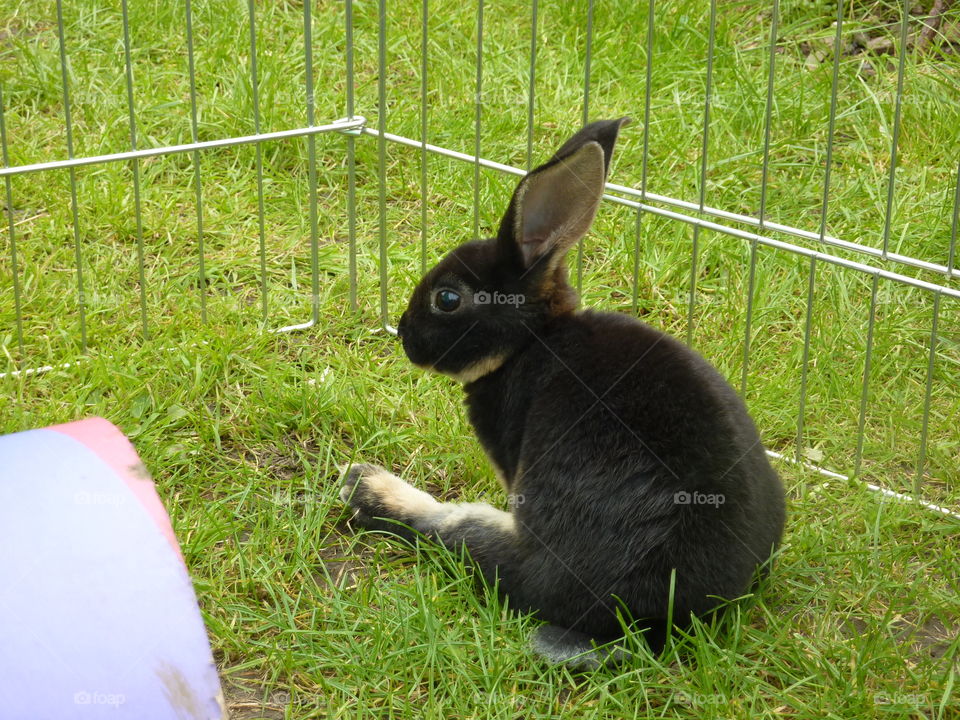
247 698
339 568
928 640
920 640
338 572
279 462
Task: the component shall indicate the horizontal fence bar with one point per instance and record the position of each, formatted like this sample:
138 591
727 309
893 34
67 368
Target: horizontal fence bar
785 229
437 150
902 497
354 123
795 249
704 224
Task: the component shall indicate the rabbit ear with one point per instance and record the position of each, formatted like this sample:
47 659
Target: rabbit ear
604 132
554 205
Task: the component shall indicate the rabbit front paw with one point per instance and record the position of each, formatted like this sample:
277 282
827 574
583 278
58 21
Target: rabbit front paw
374 492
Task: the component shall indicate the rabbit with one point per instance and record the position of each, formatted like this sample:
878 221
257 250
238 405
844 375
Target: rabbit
636 471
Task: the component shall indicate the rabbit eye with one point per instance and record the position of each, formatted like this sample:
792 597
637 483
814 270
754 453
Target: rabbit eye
447 300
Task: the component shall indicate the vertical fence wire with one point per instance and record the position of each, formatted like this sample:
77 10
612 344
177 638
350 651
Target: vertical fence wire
764 171
644 158
135 165
11 229
865 386
703 169
952 254
74 210
531 97
312 166
588 52
748 323
811 285
931 360
477 122
197 183
637 234
255 97
382 154
423 136
891 180
831 123
351 164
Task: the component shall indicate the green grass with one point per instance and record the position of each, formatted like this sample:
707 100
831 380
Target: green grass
243 430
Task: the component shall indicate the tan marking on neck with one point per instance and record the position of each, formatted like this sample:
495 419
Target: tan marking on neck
480 368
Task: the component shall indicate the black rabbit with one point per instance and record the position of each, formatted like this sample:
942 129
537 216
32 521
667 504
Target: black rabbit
629 457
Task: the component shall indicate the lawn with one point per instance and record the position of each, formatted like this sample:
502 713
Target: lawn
244 429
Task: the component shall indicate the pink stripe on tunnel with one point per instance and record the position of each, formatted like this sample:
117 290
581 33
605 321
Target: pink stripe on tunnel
104 439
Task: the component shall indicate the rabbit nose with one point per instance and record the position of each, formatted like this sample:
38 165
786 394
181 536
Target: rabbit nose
401 325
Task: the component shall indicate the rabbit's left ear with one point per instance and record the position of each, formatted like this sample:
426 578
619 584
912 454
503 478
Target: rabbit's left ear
554 205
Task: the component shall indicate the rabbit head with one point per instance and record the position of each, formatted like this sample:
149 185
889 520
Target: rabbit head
485 299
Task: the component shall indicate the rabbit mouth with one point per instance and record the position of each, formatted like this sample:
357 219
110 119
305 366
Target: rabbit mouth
415 346
411 356
467 374
415 354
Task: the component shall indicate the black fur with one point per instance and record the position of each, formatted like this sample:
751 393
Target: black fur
628 456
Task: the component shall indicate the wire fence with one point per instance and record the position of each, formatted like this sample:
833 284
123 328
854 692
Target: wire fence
884 269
